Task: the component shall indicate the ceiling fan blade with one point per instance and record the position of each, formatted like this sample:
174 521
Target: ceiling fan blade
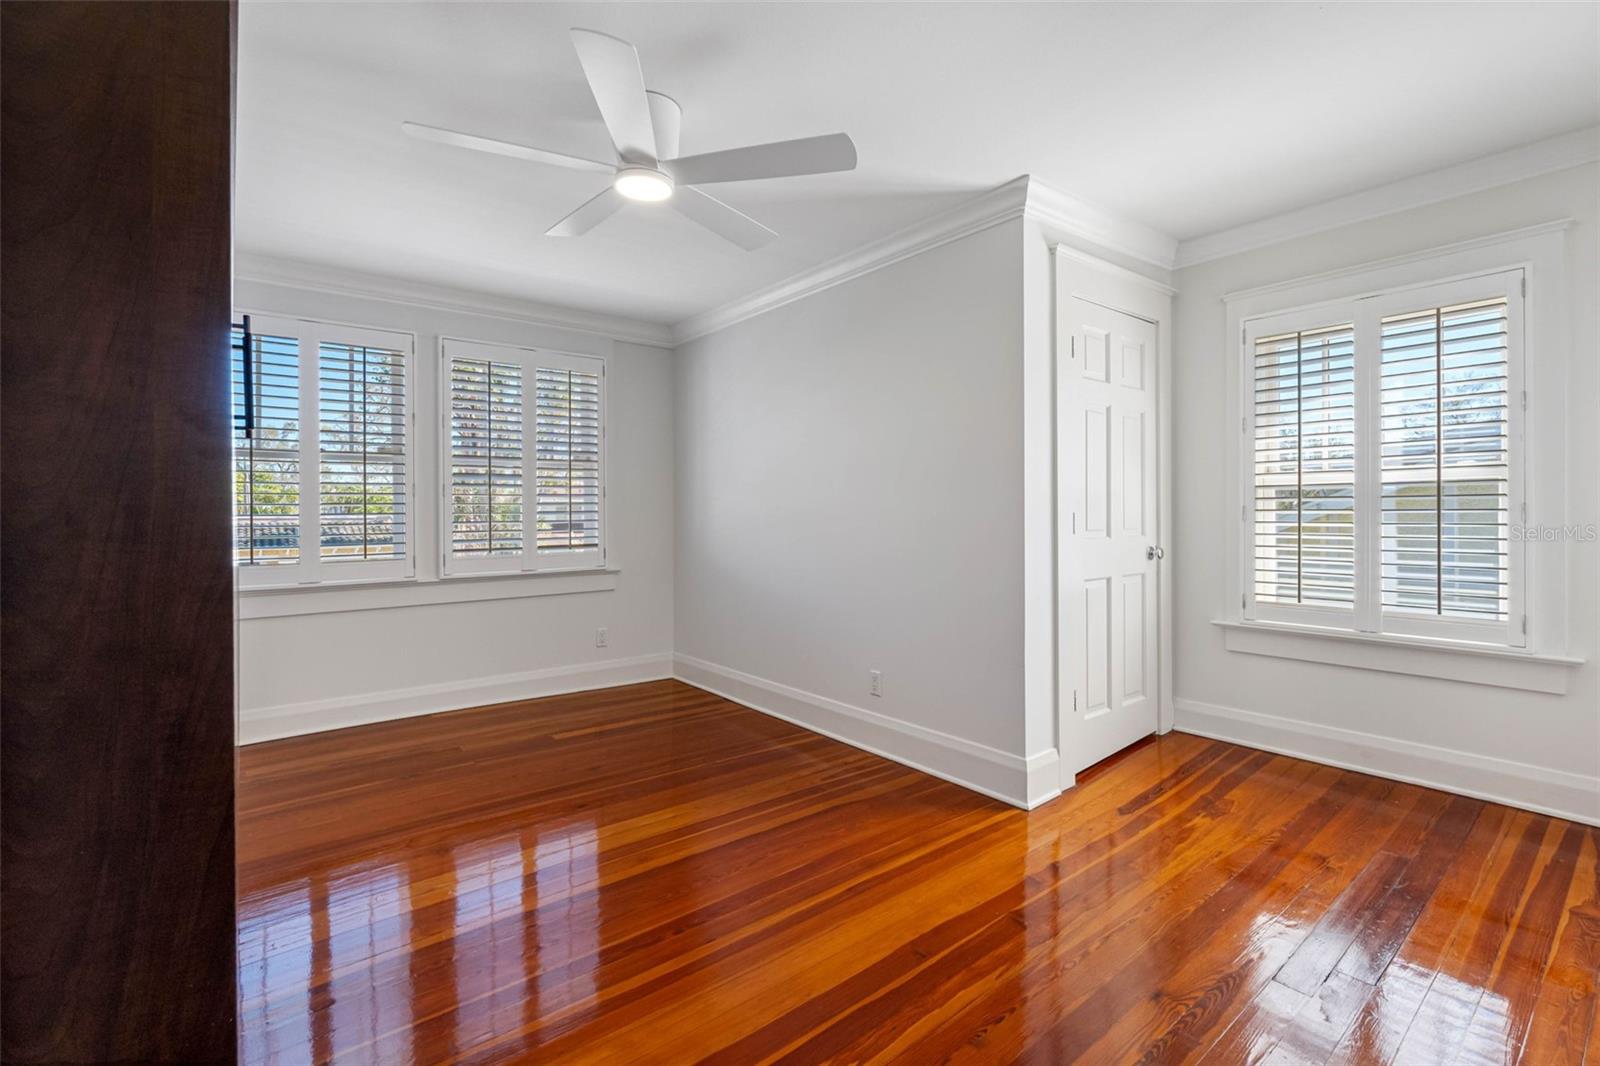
615 78
780 159
667 118
590 215
515 151
719 218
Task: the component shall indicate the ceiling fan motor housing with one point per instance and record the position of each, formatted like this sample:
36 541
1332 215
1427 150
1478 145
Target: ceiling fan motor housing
643 183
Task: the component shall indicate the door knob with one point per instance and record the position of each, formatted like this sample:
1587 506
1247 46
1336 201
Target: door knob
1153 552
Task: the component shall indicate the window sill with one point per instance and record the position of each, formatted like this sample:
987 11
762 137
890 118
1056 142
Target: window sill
1475 664
380 595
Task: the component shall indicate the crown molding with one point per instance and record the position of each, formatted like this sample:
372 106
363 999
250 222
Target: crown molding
1518 164
968 217
1023 196
1065 213
1488 240
316 277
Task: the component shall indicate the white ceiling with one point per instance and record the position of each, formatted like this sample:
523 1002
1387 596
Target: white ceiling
1191 118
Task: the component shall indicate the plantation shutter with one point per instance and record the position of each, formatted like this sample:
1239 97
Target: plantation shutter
568 455
266 449
1445 456
362 476
322 453
1303 468
523 443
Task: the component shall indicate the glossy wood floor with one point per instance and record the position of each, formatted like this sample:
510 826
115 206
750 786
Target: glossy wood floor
654 875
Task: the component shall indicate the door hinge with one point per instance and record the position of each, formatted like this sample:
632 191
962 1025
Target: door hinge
1524 284
1524 625
1524 399
1244 425
1524 512
1074 700
1243 600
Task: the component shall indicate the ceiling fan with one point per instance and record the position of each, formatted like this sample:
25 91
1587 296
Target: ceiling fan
644 128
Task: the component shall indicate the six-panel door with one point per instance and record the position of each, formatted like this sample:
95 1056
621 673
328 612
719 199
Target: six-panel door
1107 491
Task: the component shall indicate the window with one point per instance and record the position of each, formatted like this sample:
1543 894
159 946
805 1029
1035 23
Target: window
340 513
1384 462
522 422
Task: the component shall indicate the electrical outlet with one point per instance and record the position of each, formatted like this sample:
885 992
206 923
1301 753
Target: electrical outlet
601 637
875 686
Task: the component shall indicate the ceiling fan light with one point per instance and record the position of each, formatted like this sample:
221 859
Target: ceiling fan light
642 183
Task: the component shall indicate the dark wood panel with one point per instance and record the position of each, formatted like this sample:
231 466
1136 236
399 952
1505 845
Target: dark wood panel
116 745
654 874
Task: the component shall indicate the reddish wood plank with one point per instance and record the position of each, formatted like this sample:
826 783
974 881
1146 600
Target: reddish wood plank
652 873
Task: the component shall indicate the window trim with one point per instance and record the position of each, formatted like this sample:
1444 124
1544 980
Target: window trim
308 571
385 595
1540 252
553 562
1451 660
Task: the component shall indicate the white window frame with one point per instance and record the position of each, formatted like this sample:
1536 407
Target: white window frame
531 560
1366 313
310 570
1537 625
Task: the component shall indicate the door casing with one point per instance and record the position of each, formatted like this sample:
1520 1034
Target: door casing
1087 277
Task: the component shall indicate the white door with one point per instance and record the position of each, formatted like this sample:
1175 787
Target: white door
1107 492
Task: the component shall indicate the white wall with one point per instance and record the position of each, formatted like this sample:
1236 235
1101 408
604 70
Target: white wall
321 670
1527 747
850 498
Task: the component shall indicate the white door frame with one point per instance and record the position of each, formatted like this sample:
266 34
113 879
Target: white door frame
1098 281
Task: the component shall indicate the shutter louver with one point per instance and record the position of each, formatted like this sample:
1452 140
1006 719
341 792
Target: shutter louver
1304 468
486 458
1445 443
522 447
362 473
266 451
567 448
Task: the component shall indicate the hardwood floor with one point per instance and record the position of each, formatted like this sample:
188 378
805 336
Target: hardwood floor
654 874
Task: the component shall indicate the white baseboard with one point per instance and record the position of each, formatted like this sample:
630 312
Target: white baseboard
1534 788
1024 783
315 716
